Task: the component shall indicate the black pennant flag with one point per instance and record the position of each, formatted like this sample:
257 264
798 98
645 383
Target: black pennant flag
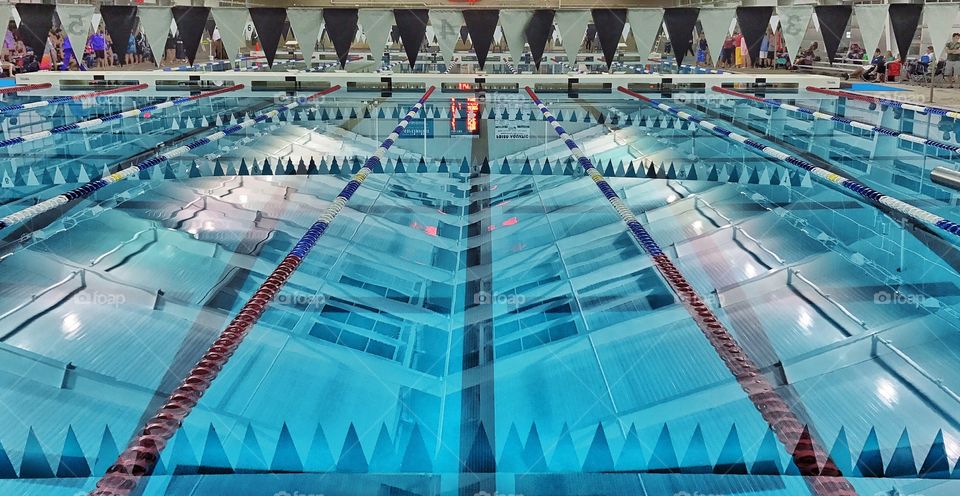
35 23
680 23
269 24
119 21
609 25
833 21
905 17
191 22
538 32
481 24
753 23
412 24
341 26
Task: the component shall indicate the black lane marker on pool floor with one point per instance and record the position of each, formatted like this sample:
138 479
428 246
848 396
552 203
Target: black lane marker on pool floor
477 412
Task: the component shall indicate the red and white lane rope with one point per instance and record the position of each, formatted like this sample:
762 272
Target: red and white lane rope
823 480
141 455
24 87
923 109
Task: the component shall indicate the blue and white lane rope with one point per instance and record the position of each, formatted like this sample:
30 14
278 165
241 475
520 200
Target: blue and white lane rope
816 114
638 231
92 123
143 451
92 186
71 98
864 191
923 109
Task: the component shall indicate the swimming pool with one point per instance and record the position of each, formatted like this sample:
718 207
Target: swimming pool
478 319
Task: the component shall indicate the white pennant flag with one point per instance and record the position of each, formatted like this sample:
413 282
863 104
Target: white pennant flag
446 24
514 24
940 19
155 22
794 21
871 19
572 25
716 26
498 34
6 13
377 25
75 20
231 22
306 25
645 25
95 21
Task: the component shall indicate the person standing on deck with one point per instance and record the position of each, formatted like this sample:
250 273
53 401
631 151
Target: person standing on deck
952 66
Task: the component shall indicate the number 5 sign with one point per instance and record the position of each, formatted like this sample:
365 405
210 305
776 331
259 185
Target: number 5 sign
76 21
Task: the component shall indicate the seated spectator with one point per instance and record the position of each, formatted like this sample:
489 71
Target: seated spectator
878 66
856 52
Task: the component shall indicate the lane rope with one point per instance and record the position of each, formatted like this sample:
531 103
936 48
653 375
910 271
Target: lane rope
72 98
92 123
923 109
24 88
92 186
793 434
905 208
141 455
816 114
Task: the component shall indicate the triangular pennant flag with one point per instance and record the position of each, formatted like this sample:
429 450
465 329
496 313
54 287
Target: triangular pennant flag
716 26
251 457
231 23
731 460
753 23
446 24
631 456
572 25
511 458
564 457
794 21
697 459
514 25
870 461
904 19
939 19
376 24
833 20
840 453
34 464
306 24
902 463
73 463
383 458
533 454
767 461
35 23
352 459
598 458
413 29
342 29
664 457
610 24
645 26
538 31
416 458
119 21
871 19
319 458
155 23
286 458
213 459
936 465
75 20
6 466
190 24
680 23
481 25
268 22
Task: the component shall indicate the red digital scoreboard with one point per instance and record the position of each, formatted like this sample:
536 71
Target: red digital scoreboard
464 117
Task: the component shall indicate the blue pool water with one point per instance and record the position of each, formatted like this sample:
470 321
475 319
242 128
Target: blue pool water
481 322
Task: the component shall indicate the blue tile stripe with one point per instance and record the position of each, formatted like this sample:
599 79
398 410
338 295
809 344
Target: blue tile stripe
91 187
911 211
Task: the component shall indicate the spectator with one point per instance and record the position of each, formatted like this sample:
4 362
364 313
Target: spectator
952 66
878 66
726 52
702 52
99 45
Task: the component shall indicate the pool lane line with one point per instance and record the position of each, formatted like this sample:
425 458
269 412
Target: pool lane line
792 433
816 114
923 109
866 192
92 123
24 88
142 453
72 98
92 186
